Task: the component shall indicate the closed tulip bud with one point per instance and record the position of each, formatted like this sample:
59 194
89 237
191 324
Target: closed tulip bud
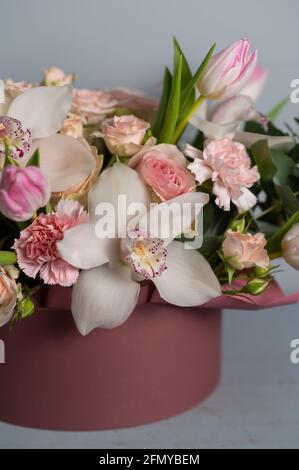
290 247
22 192
228 71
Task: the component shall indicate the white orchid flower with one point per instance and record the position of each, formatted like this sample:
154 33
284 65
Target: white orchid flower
32 121
108 287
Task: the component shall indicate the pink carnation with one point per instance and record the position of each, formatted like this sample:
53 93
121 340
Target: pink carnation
36 248
228 165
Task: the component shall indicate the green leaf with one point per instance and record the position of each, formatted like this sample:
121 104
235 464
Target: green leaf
288 199
7 257
263 159
186 71
173 107
192 83
277 109
285 166
163 102
34 160
230 273
274 243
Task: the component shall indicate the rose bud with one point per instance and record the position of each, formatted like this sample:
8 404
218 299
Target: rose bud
244 251
22 192
228 71
8 295
124 135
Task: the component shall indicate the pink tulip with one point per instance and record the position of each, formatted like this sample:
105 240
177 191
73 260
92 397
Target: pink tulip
256 84
290 247
228 71
22 192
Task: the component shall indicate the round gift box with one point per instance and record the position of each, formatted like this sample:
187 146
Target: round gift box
162 361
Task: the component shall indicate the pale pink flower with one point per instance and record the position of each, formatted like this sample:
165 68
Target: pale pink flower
8 296
22 192
54 76
256 84
228 165
164 168
124 135
73 126
290 247
143 105
36 248
93 105
244 251
228 71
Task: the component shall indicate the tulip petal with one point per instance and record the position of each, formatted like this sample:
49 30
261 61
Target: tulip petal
65 161
42 109
236 109
188 280
283 143
120 187
104 298
81 248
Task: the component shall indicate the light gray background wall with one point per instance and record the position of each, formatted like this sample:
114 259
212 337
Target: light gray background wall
128 42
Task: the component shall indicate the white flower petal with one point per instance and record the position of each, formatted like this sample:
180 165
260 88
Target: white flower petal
81 248
188 280
119 180
104 298
283 143
65 161
215 131
170 219
42 109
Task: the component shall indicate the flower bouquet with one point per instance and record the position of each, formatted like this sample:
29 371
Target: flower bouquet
113 210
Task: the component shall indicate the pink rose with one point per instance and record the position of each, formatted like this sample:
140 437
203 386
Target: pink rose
228 71
22 192
8 296
228 165
244 251
143 105
290 247
93 105
36 248
54 76
123 135
164 168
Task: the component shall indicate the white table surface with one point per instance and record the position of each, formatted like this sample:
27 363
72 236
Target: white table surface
255 406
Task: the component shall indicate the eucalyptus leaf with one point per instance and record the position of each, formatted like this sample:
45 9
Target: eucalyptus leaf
263 159
285 166
288 199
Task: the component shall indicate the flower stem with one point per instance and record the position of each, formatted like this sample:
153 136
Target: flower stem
184 122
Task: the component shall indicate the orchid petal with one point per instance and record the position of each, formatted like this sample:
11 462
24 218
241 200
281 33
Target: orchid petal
81 248
103 298
172 218
188 280
115 183
42 109
65 161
